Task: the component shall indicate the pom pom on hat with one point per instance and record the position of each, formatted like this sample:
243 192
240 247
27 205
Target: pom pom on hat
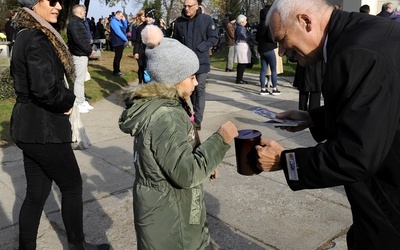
153 35
168 60
28 3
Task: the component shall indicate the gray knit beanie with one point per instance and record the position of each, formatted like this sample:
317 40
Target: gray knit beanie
168 60
28 3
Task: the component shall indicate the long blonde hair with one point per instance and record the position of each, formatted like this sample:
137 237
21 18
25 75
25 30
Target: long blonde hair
138 16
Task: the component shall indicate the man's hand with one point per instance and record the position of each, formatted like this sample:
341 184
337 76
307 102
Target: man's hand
297 115
228 131
269 153
136 56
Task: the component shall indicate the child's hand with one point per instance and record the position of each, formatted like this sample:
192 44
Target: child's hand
214 175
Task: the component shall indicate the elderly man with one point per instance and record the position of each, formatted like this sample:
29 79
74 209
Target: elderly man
387 9
358 129
197 31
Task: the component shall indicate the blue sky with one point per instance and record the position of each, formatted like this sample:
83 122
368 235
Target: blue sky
97 9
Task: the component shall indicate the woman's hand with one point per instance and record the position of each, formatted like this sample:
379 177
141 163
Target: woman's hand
68 112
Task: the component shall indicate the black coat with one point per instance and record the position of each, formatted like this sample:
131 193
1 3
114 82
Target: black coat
199 34
264 39
38 115
78 38
139 47
361 125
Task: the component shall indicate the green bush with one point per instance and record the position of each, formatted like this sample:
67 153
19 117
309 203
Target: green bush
6 85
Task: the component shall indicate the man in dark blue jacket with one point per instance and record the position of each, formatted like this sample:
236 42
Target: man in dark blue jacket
80 48
358 128
197 31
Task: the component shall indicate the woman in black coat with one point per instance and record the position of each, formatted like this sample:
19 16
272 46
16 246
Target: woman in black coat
40 124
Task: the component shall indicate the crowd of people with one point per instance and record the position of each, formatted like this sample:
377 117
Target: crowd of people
340 54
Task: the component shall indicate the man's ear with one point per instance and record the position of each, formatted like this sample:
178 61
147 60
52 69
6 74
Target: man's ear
304 21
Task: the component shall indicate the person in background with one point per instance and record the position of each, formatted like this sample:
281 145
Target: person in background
100 29
308 81
358 128
138 19
244 43
266 46
365 9
150 16
198 32
170 162
40 124
118 26
230 42
87 25
9 29
139 47
387 9
107 31
80 48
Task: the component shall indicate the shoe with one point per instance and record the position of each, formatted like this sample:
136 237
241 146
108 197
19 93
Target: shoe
118 74
87 105
275 92
198 127
264 92
241 82
228 70
82 109
87 246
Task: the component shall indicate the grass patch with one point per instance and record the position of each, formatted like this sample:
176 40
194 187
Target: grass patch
102 84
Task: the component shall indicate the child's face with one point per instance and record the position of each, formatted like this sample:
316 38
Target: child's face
187 86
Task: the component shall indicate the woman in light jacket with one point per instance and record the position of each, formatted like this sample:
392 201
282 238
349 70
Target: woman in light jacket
244 43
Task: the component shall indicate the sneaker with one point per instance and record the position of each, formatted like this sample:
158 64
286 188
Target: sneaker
82 109
264 92
87 105
275 92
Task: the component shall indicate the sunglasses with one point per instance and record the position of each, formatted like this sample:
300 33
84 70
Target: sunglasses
53 3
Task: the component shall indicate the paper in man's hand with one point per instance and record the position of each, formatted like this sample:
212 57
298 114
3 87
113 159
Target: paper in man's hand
277 122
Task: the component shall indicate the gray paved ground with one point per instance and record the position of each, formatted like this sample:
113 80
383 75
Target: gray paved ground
244 212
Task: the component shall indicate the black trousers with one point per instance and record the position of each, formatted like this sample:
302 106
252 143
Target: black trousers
313 99
240 71
118 51
45 163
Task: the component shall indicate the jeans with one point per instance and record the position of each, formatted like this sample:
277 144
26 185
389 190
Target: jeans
268 58
45 163
229 58
198 98
118 50
81 67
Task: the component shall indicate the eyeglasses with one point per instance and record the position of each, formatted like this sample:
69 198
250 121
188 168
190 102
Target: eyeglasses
189 6
53 3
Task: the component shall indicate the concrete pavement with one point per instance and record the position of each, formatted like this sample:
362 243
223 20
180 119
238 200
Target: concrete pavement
244 212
